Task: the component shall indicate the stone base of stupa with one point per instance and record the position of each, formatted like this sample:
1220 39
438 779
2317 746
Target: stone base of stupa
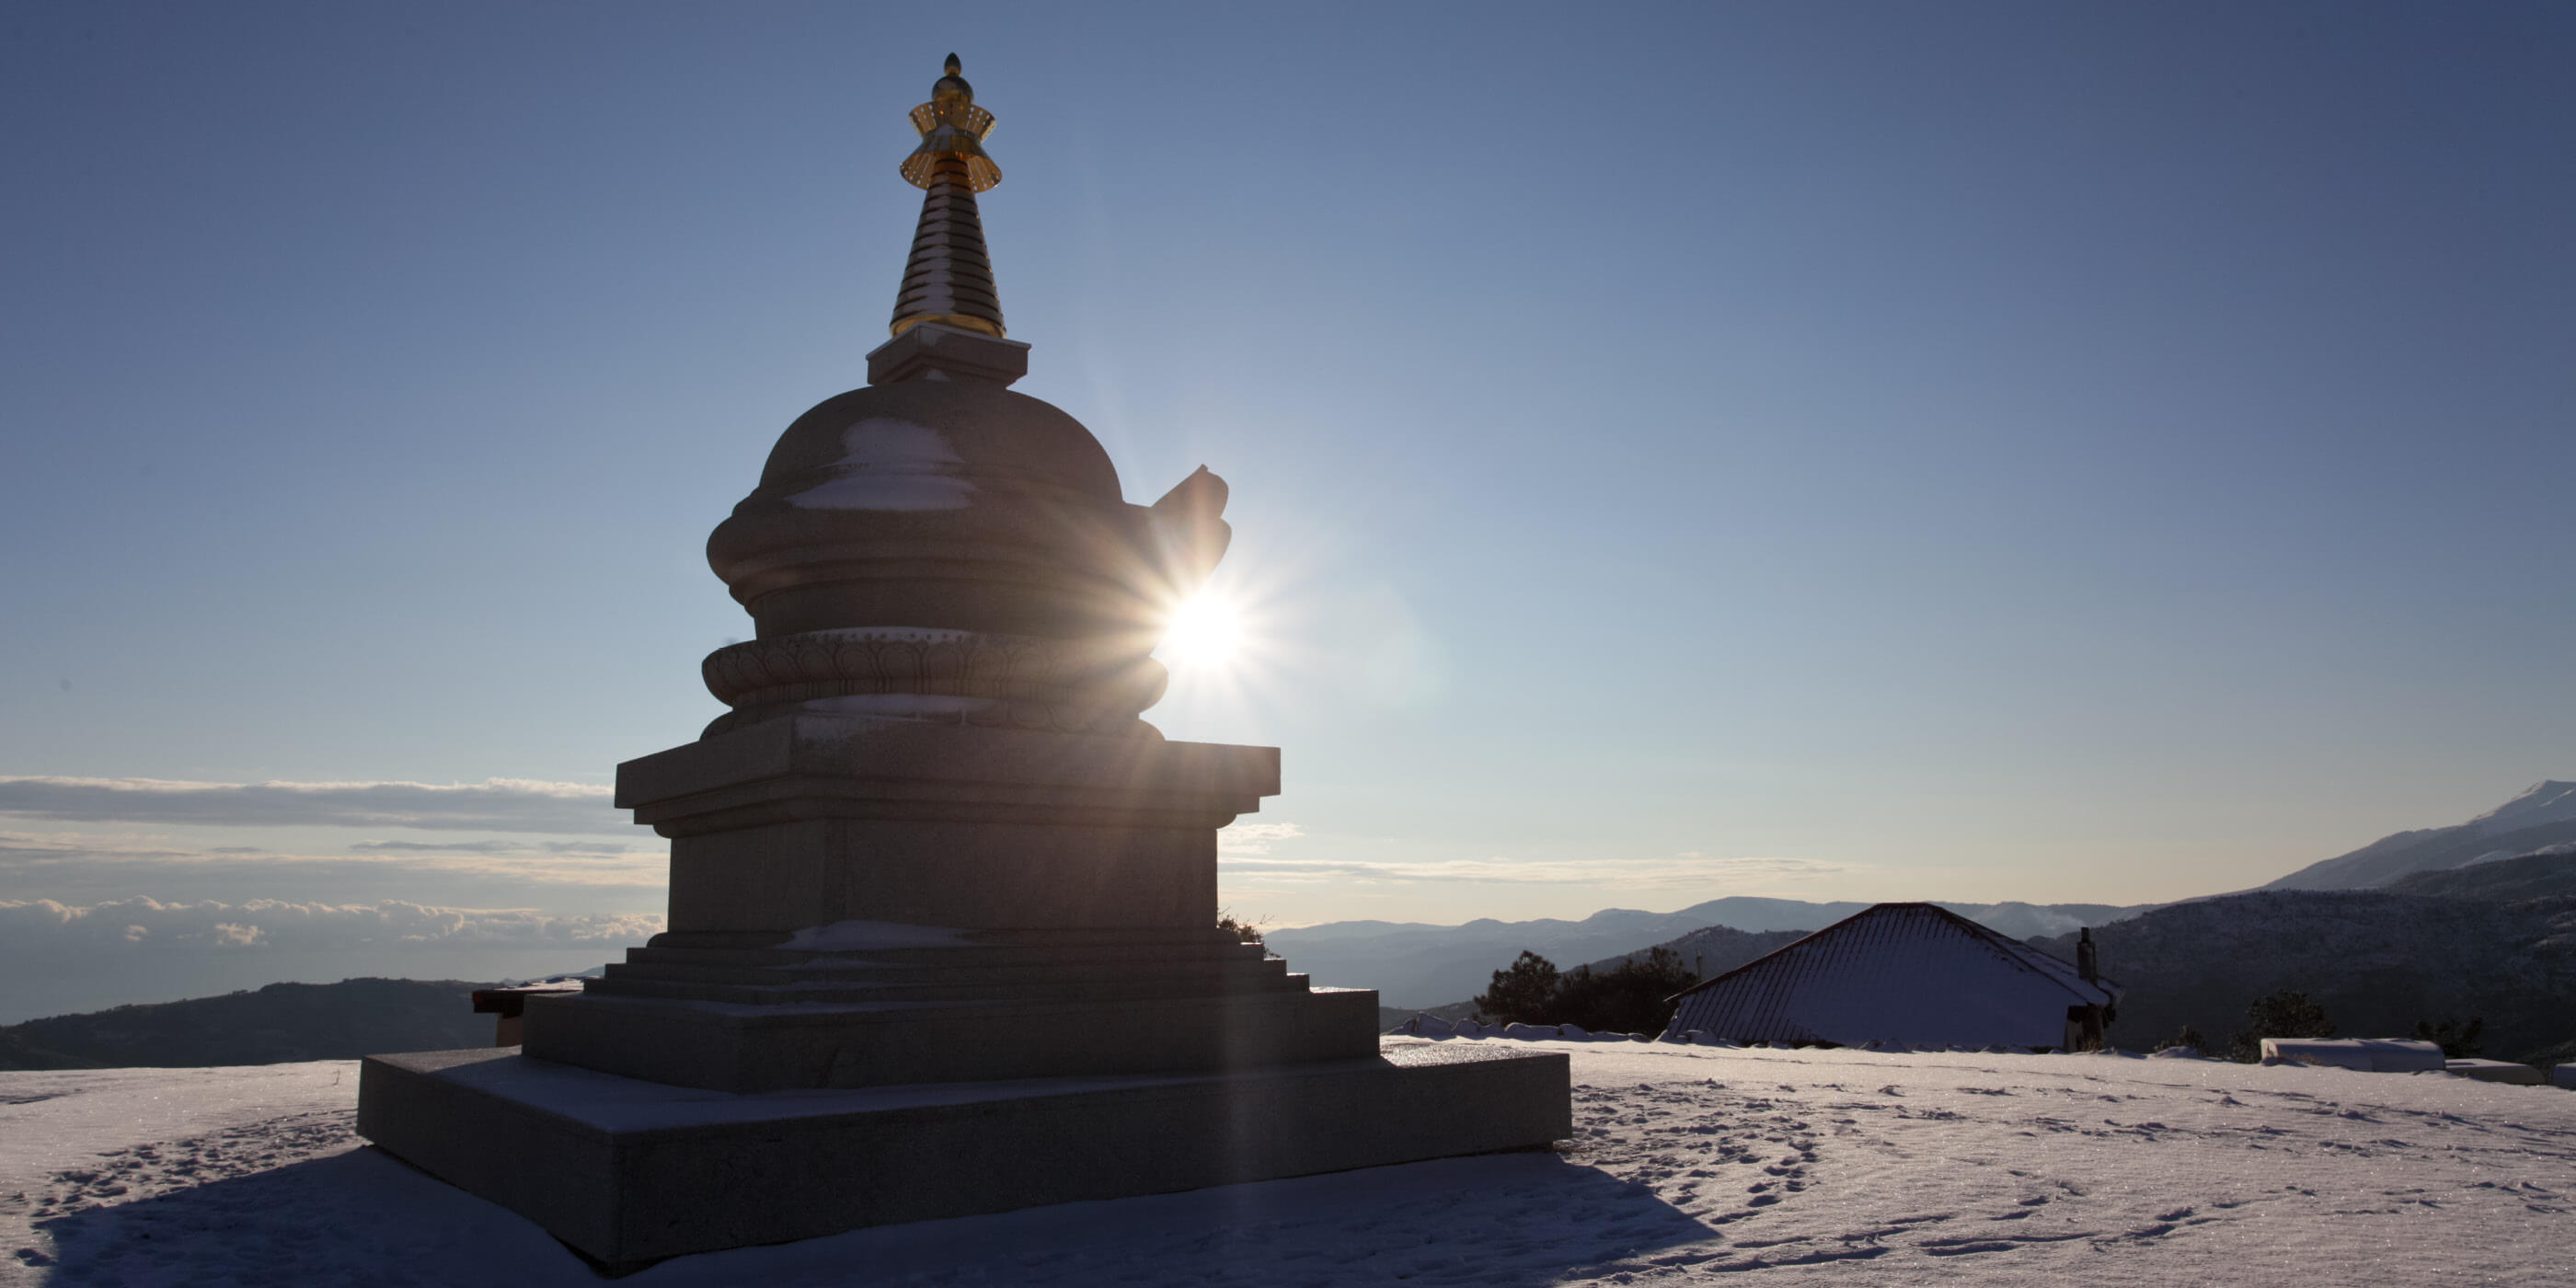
628 1171
919 970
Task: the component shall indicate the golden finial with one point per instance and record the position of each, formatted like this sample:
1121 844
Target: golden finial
952 126
949 279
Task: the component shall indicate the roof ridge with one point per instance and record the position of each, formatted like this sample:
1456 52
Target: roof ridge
2012 950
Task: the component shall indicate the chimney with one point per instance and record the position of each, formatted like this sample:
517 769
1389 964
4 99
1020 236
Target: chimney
2088 961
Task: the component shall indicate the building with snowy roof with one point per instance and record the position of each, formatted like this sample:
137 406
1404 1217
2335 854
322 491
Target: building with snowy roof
1910 973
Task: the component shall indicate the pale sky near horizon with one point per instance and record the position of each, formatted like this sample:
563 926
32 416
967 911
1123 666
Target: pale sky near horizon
1978 451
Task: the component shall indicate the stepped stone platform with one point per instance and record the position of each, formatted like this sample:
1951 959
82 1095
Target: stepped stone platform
1093 1002
918 970
629 1171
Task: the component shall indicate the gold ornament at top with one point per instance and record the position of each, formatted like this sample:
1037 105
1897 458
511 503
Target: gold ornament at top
949 279
952 126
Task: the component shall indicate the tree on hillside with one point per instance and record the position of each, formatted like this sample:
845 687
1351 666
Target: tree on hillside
1628 998
1520 993
2286 1013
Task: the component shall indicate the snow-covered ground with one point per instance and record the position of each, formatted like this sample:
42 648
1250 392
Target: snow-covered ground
1690 1163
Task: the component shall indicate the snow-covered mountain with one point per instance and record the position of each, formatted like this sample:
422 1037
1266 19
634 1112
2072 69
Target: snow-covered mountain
1411 964
2542 817
2496 942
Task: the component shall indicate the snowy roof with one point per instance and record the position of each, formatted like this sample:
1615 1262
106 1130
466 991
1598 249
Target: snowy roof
1895 972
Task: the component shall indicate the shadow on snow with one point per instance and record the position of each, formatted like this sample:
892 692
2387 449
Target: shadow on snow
362 1217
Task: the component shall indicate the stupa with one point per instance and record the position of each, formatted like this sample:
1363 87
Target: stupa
942 934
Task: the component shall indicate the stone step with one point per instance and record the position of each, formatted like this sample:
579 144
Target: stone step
1080 989
1073 938
854 973
980 954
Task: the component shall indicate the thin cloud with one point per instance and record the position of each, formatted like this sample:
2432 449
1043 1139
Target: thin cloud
82 866
45 927
424 847
23 847
1680 871
1254 838
495 804
602 849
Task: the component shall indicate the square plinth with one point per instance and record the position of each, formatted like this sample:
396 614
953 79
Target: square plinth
629 1171
811 819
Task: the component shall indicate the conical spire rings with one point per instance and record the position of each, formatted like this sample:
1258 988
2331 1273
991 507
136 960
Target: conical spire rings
949 279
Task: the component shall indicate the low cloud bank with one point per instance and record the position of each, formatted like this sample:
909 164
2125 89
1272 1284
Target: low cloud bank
121 926
495 804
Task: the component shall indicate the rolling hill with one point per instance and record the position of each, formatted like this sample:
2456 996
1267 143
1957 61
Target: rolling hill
279 1024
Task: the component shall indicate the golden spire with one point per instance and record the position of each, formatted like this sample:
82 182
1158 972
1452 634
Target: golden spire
949 280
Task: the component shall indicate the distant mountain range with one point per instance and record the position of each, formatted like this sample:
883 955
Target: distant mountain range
1713 950
2495 941
2542 817
1415 965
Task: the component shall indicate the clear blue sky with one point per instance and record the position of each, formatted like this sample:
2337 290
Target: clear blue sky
1974 451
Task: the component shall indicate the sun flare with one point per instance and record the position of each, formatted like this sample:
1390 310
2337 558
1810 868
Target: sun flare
1204 632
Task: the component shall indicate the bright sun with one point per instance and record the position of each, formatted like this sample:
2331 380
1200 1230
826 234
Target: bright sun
1203 632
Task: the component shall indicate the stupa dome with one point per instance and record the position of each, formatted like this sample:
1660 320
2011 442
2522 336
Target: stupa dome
935 504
